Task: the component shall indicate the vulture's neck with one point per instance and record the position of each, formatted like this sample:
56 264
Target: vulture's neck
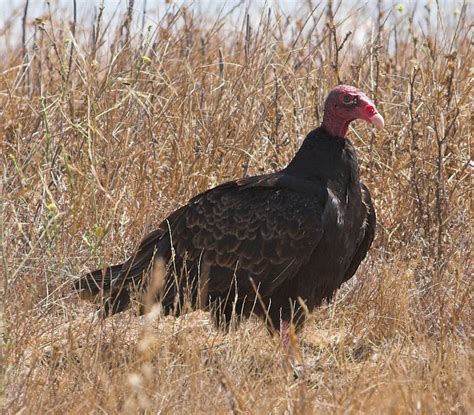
325 157
334 124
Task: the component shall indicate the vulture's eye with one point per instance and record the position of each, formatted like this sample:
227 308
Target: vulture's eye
347 99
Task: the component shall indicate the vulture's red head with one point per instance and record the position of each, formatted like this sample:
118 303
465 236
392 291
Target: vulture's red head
345 104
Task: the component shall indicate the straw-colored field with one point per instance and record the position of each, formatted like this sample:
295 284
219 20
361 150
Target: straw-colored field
106 131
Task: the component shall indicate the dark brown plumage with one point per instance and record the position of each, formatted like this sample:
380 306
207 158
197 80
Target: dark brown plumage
293 236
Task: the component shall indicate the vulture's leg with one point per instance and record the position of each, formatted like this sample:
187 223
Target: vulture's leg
291 348
225 313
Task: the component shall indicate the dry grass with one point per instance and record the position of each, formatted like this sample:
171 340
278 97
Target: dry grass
104 132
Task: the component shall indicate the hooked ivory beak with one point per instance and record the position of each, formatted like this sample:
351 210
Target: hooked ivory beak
377 120
372 116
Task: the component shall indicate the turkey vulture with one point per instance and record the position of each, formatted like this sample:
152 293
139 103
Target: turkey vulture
273 245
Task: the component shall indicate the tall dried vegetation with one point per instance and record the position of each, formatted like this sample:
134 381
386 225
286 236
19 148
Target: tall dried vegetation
106 128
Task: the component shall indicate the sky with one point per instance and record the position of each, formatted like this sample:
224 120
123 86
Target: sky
38 7
11 10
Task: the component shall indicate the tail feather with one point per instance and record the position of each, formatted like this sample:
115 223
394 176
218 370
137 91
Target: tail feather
92 283
99 281
113 282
